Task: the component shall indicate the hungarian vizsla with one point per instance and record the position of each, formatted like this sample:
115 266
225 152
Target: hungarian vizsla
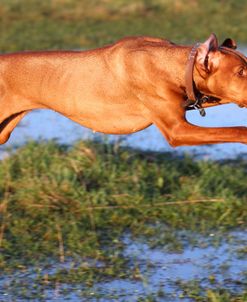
127 86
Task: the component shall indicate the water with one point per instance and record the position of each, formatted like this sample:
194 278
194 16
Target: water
164 271
159 271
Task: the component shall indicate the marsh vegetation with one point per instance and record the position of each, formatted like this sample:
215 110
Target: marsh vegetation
78 203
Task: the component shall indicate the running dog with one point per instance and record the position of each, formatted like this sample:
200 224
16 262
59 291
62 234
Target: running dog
127 86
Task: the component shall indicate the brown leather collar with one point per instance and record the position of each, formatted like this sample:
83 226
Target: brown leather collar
189 82
195 98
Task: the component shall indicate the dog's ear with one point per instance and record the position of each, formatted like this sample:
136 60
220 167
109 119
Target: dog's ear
229 43
203 60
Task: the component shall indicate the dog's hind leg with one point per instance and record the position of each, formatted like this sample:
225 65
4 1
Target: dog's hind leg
8 125
12 109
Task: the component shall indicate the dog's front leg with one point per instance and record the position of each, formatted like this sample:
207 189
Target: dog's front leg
185 134
169 117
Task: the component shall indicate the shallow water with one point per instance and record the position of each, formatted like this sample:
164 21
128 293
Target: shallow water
164 271
214 262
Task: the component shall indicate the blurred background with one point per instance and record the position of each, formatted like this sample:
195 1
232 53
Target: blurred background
90 217
71 24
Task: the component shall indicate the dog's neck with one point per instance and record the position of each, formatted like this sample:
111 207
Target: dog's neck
176 56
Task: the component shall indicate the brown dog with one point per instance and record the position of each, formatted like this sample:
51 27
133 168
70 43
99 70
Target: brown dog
127 86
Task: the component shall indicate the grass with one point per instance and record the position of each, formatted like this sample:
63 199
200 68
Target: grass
62 203
85 196
70 24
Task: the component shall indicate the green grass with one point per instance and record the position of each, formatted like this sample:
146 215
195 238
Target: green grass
60 24
72 203
58 193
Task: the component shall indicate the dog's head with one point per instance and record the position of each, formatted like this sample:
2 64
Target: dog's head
221 71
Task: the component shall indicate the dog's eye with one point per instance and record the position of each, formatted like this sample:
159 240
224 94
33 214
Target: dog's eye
241 72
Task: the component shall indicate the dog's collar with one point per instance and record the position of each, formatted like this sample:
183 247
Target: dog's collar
195 99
